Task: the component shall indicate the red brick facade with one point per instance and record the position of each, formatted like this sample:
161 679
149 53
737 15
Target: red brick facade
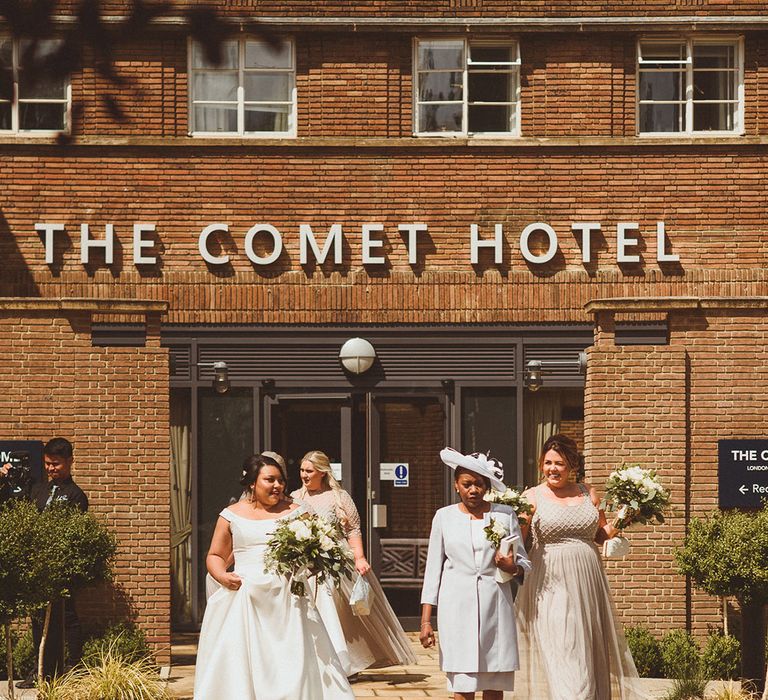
107 401
355 161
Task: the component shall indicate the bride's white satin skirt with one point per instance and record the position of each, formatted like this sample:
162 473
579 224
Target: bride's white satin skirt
262 643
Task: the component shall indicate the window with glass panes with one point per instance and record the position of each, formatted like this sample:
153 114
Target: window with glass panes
690 86
251 90
466 87
31 98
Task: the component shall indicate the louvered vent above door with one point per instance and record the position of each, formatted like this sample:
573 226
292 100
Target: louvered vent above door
394 363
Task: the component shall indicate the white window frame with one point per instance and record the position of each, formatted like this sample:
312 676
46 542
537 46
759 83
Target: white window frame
240 133
465 133
736 41
16 102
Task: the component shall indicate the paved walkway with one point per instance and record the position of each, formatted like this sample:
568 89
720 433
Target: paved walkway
424 680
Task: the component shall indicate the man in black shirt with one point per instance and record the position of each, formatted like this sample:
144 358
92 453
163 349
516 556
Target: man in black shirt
57 459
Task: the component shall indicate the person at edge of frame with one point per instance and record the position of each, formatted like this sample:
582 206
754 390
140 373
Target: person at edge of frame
61 488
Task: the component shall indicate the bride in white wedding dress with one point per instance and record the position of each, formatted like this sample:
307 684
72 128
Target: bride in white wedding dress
258 641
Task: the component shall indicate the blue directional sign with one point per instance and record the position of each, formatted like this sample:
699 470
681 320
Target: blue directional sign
401 475
742 470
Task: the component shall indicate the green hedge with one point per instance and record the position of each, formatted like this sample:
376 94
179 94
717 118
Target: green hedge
677 655
646 651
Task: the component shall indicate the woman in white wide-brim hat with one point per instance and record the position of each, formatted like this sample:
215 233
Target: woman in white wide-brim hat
475 613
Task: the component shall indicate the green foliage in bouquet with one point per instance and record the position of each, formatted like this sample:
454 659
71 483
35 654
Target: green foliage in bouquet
636 496
646 651
306 546
513 498
495 531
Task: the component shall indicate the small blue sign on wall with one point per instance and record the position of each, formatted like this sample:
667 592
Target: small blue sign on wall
402 475
742 471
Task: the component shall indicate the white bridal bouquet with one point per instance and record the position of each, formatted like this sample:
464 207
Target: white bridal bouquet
305 546
497 533
511 497
635 495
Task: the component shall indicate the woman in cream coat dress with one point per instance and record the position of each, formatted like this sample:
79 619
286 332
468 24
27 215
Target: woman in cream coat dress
475 613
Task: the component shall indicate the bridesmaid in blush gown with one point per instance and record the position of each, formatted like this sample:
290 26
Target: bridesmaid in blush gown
371 641
258 641
571 643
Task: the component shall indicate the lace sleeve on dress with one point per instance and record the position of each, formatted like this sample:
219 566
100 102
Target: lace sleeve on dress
351 516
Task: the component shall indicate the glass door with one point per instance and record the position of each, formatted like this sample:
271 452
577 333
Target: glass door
225 440
297 424
408 484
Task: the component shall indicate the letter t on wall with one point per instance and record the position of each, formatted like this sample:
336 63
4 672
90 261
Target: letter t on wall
49 230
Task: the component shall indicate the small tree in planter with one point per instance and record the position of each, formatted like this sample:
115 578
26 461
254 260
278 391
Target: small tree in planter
22 571
45 557
726 554
78 550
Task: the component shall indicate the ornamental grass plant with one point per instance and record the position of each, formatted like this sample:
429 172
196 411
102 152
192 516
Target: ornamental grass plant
687 689
731 691
109 677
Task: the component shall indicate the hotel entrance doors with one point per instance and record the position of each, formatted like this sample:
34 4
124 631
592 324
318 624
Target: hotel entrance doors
385 449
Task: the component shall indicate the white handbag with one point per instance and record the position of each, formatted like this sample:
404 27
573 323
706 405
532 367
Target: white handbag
616 547
360 598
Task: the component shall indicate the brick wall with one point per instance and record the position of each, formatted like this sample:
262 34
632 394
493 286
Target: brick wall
713 210
574 429
361 85
112 403
665 408
635 402
253 9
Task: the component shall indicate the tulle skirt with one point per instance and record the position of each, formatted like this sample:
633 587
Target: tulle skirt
571 644
375 640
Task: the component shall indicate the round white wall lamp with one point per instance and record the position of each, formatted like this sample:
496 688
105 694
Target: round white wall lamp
357 355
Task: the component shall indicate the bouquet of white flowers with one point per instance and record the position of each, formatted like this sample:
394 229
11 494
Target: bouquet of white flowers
305 546
511 497
497 533
636 496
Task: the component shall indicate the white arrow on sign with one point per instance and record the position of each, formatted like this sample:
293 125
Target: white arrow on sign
743 489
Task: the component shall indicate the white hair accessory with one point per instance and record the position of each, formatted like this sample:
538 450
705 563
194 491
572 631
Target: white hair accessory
478 463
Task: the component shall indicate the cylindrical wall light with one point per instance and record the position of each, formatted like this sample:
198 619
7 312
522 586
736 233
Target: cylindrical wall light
220 381
220 377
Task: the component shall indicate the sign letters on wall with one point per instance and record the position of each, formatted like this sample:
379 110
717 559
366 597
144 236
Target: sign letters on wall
315 246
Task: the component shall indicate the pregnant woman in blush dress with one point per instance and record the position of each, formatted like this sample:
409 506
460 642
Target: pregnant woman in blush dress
571 644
